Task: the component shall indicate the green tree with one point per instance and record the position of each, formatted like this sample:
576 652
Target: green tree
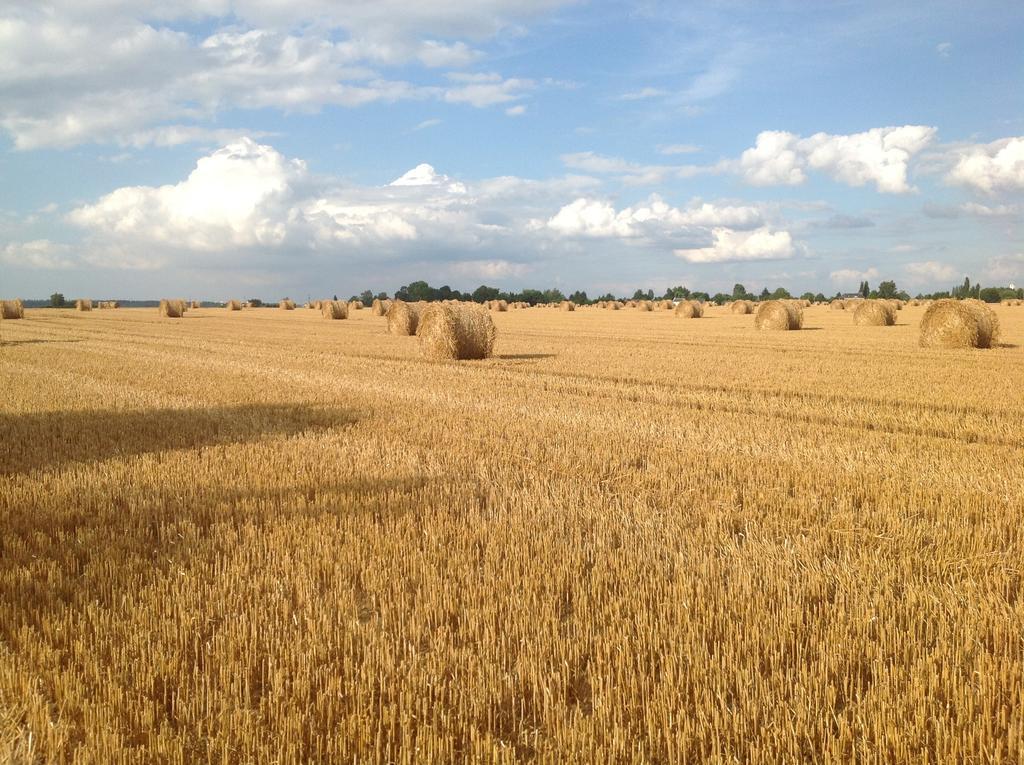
483 293
579 297
781 293
553 296
808 296
739 292
765 294
887 290
865 289
57 300
366 296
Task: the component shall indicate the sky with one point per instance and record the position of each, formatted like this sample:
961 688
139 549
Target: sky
221 149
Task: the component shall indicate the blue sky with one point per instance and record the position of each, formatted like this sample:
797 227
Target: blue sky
229 148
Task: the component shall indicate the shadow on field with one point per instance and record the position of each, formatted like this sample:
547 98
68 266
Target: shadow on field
37 341
42 440
525 356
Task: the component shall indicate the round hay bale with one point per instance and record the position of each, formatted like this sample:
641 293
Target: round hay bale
874 313
568 305
286 305
613 305
380 307
837 305
355 305
83 304
952 323
334 309
665 305
915 303
403 318
172 309
689 309
195 304
12 309
233 305
779 314
742 307
456 332
644 305
501 306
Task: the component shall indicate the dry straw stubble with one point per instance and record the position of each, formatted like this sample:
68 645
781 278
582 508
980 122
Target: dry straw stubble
456 332
959 324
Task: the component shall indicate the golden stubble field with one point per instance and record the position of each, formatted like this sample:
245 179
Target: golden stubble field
265 537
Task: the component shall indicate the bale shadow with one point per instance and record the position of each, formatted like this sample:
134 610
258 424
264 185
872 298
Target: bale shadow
525 356
44 440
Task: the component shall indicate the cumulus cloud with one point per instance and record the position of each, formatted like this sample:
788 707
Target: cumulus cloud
729 245
37 254
880 156
992 167
62 77
483 90
1006 269
589 217
849 275
678 148
247 204
931 271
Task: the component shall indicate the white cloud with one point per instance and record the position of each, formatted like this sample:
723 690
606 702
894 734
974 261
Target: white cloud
997 166
849 275
62 73
930 272
428 124
992 211
678 148
880 156
490 269
38 254
1006 269
234 198
588 217
486 90
643 94
729 246
630 173
516 111
944 49
426 175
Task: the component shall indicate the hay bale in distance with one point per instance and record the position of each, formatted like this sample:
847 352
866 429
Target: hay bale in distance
403 318
689 309
568 305
874 313
501 306
644 305
195 304
959 324
83 304
380 307
837 305
355 305
12 309
464 331
613 305
779 314
172 309
742 307
233 305
286 305
334 309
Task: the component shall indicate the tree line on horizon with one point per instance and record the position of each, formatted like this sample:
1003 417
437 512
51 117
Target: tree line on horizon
422 291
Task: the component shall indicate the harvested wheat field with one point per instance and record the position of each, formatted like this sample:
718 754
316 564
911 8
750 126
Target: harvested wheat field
623 538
